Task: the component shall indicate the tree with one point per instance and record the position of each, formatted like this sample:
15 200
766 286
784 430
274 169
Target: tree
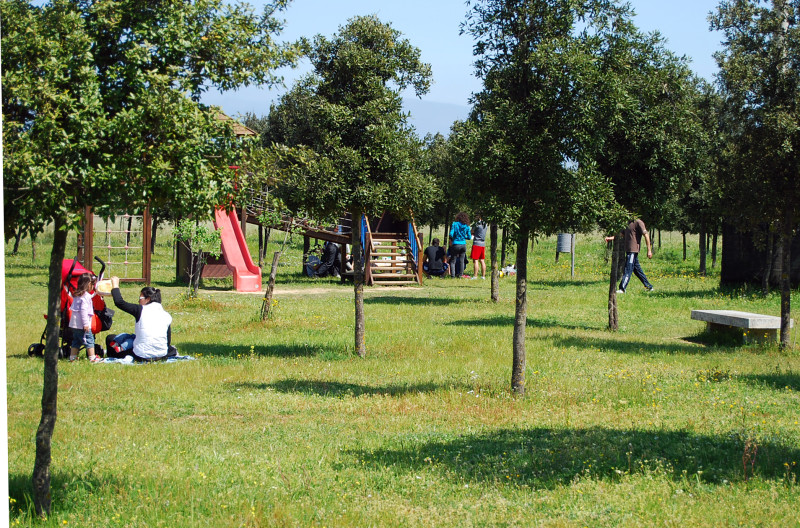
100 109
758 75
361 156
537 61
649 139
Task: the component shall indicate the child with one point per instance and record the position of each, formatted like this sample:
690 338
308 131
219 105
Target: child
81 320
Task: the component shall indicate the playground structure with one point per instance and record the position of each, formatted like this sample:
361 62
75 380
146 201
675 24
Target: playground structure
123 242
391 246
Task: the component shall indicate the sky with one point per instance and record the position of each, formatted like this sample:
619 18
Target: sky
433 27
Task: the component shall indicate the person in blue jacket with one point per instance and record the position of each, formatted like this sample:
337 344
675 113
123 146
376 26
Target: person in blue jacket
460 232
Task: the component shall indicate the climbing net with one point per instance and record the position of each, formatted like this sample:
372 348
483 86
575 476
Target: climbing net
121 244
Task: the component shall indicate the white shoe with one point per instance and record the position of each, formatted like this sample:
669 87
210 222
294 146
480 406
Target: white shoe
620 291
483 278
473 278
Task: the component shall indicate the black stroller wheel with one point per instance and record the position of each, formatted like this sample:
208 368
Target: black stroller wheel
36 349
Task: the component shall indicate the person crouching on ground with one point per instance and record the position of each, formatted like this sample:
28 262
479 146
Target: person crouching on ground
153 326
434 260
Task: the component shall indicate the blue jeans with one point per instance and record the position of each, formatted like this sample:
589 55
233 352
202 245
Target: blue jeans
632 266
81 338
125 341
459 252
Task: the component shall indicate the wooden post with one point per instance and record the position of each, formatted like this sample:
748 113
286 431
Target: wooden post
146 235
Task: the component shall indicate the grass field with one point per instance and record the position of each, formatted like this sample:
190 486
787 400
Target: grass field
278 424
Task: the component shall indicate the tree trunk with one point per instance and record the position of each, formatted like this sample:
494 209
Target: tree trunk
684 245
267 304
786 277
153 231
521 315
714 248
44 434
128 232
430 235
503 249
261 247
766 274
493 256
447 234
702 239
307 247
659 239
267 236
358 287
33 248
613 312
17 238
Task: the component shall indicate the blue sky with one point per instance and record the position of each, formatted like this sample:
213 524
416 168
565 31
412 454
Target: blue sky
433 26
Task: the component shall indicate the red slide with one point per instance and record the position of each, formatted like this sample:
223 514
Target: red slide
246 275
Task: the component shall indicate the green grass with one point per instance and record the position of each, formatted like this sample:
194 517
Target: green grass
278 424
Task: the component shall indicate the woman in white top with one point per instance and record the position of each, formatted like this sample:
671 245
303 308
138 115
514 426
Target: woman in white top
153 333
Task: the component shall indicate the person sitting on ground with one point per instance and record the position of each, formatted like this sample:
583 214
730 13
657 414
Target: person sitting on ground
330 263
153 327
434 260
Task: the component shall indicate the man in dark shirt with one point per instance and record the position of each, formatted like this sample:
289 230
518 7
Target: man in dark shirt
633 239
330 264
434 261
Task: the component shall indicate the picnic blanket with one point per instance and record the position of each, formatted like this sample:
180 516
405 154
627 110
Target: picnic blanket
128 360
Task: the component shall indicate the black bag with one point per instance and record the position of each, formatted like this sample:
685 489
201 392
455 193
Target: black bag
106 316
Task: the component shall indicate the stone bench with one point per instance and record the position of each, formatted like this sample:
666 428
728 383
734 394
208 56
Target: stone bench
749 326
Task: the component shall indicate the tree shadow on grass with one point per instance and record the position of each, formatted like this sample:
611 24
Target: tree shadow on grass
234 351
547 458
630 347
778 380
414 301
336 389
563 283
64 488
540 322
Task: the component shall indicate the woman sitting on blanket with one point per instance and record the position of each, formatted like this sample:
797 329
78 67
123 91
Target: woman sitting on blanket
153 327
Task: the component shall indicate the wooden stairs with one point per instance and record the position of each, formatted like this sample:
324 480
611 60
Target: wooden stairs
391 261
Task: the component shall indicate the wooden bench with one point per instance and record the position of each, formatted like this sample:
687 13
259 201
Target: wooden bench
749 326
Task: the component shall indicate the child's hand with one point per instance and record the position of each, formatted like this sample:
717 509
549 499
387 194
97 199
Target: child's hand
86 338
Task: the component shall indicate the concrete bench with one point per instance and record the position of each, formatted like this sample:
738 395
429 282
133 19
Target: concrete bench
749 326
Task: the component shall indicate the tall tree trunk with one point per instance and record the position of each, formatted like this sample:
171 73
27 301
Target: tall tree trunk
684 245
128 232
358 287
503 242
521 315
44 434
493 256
430 235
266 305
307 246
702 238
153 231
786 277
33 248
613 312
714 247
659 239
17 238
261 246
767 273
267 236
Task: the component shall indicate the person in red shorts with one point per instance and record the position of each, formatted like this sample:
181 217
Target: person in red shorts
478 254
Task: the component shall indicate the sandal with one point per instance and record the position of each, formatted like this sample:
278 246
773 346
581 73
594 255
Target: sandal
73 359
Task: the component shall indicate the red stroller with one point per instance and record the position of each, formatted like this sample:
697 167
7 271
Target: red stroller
71 270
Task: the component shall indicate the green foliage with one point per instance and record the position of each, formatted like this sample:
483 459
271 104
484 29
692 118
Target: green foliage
758 77
359 153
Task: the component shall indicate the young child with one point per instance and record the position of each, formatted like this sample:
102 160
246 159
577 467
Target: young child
81 320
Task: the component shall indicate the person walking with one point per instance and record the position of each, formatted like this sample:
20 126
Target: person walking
478 254
460 232
633 239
